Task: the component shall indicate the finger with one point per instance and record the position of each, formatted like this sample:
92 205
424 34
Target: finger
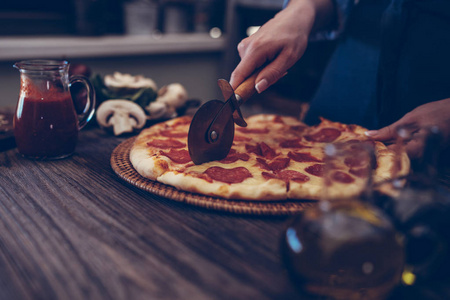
268 76
239 74
405 128
274 71
250 60
242 47
244 69
387 133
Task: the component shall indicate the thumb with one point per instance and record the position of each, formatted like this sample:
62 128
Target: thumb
384 134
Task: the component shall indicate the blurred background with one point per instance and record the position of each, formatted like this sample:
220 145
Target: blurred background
192 42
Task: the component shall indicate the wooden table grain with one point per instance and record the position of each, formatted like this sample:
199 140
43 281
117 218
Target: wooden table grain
72 229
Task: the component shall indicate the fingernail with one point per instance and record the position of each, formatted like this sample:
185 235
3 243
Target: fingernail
231 79
261 86
371 132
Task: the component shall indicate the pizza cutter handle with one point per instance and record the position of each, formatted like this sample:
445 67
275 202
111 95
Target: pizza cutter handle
247 88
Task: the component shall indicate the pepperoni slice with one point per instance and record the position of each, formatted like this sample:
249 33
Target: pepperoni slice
356 162
287 175
293 175
253 130
325 135
174 134
201 176
268 175
278 164
234 156
234 175
261 149
253 149
266 151
166 144
303 157
342 177
293 143
316 170
177 156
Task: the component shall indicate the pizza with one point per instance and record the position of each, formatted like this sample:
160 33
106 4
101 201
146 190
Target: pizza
273 158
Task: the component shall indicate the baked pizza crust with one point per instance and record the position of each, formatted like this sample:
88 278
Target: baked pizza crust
250 189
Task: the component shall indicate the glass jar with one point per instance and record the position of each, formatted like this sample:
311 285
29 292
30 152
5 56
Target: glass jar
46 123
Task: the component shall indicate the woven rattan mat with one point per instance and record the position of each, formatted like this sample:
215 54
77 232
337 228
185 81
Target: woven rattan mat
122 166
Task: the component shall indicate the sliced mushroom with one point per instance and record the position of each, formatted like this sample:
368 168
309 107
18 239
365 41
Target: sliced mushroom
122 116
126 82
170 97
160 110
174 95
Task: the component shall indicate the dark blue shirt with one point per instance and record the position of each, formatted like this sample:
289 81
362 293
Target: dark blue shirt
393 56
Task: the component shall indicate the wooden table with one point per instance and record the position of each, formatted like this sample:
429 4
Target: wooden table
72 229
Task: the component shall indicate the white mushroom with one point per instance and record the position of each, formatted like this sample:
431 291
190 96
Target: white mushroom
119 81
174 95
170 97
159 110
123 116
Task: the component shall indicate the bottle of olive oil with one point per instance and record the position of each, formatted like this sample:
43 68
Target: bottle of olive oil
345 247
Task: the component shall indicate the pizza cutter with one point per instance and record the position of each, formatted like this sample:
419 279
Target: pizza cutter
212 128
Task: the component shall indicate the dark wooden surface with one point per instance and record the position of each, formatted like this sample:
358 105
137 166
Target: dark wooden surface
6 130
71 229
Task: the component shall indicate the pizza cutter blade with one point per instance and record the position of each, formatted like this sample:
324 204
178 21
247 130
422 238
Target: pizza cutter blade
211 132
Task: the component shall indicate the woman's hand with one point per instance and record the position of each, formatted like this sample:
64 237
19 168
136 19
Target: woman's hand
280 42
418 121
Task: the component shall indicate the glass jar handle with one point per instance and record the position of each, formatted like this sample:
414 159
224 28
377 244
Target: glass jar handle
89 108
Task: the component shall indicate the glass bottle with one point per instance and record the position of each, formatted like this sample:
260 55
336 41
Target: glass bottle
46 124
344 248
